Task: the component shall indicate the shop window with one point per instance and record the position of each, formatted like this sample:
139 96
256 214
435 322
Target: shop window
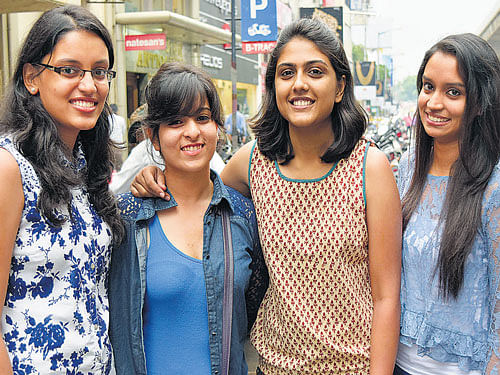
147 5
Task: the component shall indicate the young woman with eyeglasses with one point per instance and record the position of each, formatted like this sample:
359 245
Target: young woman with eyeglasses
58 218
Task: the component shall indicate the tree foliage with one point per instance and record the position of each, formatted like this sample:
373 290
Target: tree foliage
358 52
406 90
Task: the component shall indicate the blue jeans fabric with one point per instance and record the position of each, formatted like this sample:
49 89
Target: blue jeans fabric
127 283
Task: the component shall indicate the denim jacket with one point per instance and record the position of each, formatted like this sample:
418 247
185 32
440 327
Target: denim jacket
127 278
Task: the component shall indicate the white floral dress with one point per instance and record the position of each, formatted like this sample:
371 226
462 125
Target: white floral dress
55 316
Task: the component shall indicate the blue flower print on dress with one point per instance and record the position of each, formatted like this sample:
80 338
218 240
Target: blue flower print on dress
46 336
55 315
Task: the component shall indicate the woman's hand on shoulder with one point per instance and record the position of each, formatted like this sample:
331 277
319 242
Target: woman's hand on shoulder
149 182
235 173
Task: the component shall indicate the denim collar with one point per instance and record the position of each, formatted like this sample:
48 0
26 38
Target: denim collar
150 206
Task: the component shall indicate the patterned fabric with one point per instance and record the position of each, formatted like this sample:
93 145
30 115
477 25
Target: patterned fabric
316 315
55 316
463 331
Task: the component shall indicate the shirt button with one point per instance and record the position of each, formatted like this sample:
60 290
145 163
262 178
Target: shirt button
216 372
208 256
214 333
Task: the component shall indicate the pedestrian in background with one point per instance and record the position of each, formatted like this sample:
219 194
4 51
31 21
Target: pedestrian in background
328 213
118 130
450 190
167 282
59 219
241 128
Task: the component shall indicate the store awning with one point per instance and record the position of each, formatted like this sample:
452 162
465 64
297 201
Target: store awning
176 26
11 6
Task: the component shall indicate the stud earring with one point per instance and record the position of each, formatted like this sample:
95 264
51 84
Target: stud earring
33 90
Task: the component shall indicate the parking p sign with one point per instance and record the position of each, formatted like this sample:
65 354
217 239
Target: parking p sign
258 20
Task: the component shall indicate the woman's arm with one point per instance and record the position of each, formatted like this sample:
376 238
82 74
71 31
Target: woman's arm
235 173
383 216
150 182
11 207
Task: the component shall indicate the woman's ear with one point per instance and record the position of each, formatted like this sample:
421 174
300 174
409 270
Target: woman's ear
154 140
30 73
340 90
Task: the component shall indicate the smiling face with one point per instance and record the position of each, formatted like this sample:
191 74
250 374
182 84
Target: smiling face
306 85
442 99
72 103
188 143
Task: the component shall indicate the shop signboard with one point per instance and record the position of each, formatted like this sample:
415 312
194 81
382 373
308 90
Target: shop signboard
258 21
145 42
252 48
380 88
333 17
364 73
216 62
223 6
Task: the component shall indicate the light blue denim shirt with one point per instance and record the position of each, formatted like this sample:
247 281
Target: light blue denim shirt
465 330
127 279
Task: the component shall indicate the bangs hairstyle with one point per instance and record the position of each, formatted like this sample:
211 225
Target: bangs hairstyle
479 152
348 118
178 90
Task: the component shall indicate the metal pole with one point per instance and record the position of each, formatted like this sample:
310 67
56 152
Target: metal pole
234 136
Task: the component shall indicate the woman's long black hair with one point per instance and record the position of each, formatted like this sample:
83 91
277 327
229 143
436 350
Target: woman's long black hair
348 117
479 152
35 132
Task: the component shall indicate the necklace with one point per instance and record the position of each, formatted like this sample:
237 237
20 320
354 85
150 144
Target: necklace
365 80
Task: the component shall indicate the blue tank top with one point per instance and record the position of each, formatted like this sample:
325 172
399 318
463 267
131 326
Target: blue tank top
176 338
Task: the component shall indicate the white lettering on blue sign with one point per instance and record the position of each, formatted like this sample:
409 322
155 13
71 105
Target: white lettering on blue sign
257 29
254 7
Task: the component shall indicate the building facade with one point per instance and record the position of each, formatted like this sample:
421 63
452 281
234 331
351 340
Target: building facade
193 32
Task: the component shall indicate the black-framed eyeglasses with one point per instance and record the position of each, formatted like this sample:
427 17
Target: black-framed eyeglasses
99 74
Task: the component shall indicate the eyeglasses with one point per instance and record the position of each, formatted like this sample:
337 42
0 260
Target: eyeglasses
99 75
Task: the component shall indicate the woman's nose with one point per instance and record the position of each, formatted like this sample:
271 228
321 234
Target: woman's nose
191 129
300 83
435 101
87 83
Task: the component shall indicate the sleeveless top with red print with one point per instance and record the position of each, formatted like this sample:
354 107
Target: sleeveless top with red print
316 315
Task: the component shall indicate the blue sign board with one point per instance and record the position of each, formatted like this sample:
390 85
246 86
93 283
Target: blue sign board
258 21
